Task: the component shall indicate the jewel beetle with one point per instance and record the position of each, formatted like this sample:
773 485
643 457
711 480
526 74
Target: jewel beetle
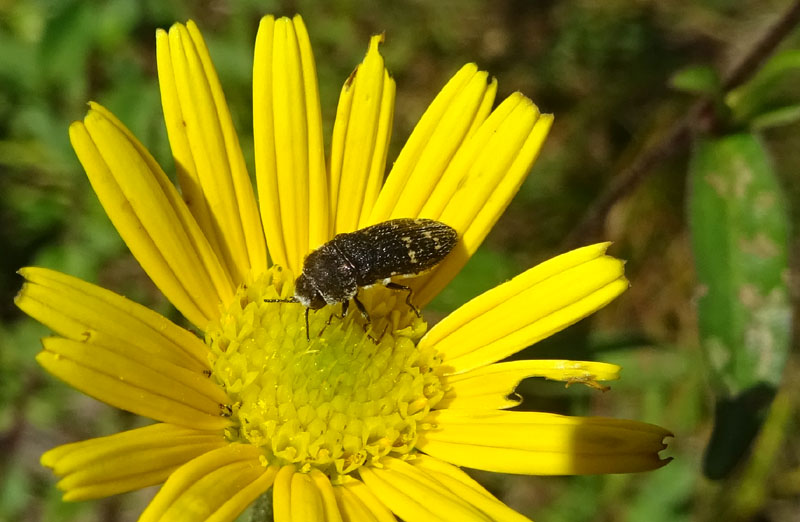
334 272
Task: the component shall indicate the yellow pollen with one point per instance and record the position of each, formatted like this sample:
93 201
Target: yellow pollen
337 402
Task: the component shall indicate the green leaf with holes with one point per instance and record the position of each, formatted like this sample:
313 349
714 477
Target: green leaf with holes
739 229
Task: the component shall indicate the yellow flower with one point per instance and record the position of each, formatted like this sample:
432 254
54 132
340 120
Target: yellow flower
344 426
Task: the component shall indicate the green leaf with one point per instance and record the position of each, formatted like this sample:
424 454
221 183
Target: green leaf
662 494
739 228
777 117
698 79
66 44
773 88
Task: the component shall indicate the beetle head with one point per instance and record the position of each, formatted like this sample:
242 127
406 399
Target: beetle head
307 294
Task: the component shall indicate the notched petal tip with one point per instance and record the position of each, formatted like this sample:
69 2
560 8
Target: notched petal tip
95 106
26 273
20 295
375 41
372 50
180 25
283 20
93 116
526 100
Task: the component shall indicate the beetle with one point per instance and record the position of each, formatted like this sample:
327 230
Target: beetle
334 272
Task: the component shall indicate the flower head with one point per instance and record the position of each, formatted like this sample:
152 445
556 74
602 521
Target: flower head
347 420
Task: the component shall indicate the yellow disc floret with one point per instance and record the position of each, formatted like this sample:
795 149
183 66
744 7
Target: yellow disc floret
345 398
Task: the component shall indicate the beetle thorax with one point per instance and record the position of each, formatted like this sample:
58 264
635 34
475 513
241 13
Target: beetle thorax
330 274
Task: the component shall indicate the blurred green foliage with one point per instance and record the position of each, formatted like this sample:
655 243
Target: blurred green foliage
616 74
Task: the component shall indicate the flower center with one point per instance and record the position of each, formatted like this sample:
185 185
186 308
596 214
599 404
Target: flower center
342 399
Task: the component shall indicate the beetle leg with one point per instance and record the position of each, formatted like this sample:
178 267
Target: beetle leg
333 314
396 286
385 328
367 320
362 309
308 333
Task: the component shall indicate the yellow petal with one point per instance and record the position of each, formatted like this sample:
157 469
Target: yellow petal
541 443
465 487
359 504
360 140
530 307
480 182
242 497
282 493
451 117
412 495
352 509
304 496
126 461
150 216
489 387
325 490
306 499
152 388
217 486
287 130
84 312
209 161
185 167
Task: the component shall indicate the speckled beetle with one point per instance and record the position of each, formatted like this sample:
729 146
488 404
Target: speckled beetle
334 272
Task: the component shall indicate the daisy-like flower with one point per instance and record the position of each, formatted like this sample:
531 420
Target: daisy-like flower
340 424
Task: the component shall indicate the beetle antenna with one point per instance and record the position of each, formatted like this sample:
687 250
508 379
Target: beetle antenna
292 300
287 300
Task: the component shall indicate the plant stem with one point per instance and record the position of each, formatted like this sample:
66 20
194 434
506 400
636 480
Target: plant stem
699 116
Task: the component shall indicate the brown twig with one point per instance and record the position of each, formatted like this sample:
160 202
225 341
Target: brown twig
678 136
